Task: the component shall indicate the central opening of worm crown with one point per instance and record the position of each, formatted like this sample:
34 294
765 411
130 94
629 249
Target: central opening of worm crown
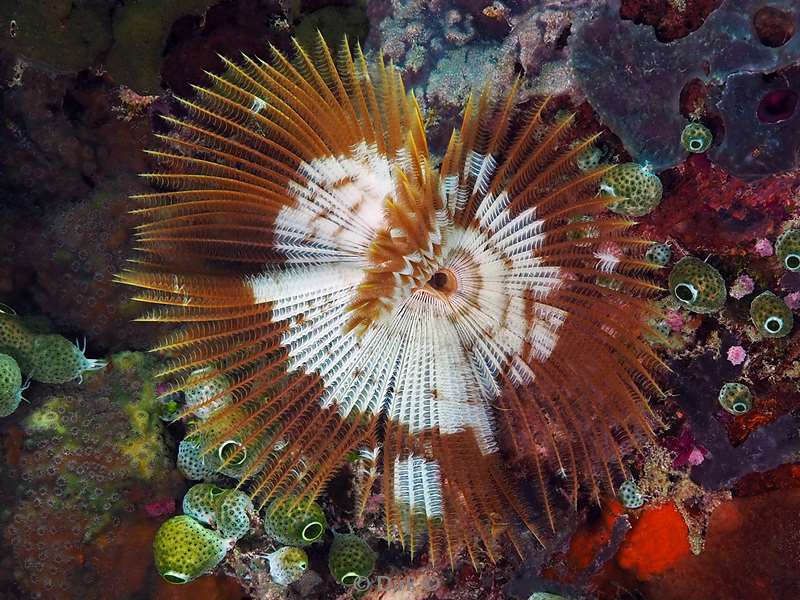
444 281
793 262
773 324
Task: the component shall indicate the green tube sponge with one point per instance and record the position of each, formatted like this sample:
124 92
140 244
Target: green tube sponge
299 526
658 254
630 495
10 385
696 138
184 549
697 286
200 502
191 462
636 188
771 315
57 360
287 564
16 341
787 249
350 558
735 398
590 158
206 395
233 509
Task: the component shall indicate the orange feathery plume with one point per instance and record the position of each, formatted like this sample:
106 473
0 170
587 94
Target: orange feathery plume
339 289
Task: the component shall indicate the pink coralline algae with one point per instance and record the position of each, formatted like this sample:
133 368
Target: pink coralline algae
736 355
763 247
686 450
743 285
675 321
793 300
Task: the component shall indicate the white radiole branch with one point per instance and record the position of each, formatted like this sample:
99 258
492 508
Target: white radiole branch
417 486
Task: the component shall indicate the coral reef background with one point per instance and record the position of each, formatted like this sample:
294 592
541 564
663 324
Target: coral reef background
88 471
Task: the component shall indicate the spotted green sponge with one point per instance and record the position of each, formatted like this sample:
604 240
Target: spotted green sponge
636 189
300 526
10 385
771 315
184 549
696 138
697 286
735 398
57 360
233 509
787 249
16 341
200 502
206 395
350 558
658 254
630 495
191 462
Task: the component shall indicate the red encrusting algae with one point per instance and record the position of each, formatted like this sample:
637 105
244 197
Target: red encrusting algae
658 541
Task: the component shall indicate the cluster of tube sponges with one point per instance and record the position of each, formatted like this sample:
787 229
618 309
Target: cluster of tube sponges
194 543
698 287
43 358
215 518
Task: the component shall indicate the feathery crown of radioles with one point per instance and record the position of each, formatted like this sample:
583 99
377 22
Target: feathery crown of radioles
353 297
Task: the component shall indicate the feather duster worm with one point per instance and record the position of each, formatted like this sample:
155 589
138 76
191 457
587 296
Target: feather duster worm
347 290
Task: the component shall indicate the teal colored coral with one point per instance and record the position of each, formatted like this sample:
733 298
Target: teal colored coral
206 395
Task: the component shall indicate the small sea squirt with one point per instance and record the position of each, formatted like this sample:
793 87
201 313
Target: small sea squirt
658 254
184 549
697 286
350 558
191 462
200 502
630 495
57 360
16 341
696 138
636 188
735 398
299 525
232 510
771 315
787 248
287 564
10 385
